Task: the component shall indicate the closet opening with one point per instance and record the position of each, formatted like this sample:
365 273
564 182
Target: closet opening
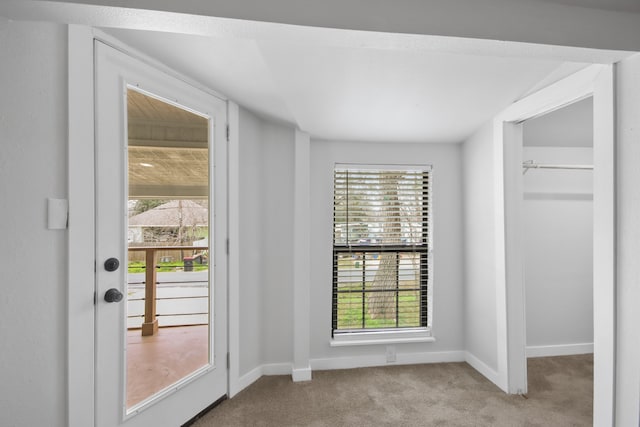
557 240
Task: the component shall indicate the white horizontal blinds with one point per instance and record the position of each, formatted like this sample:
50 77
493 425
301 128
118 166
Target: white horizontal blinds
380 207
381 238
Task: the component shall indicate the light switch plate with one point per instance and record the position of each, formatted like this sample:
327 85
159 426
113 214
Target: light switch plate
58 213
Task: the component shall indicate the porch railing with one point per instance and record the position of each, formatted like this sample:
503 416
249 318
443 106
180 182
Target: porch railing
150 323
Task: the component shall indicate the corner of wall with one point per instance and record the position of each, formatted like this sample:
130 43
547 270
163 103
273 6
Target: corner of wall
478 256
301 264
490 373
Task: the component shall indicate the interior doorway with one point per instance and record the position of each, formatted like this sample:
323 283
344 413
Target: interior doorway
596 81
557 237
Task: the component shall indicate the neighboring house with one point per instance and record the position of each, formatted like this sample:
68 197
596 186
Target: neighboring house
177 222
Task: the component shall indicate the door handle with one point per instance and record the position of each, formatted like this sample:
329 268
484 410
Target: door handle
113 295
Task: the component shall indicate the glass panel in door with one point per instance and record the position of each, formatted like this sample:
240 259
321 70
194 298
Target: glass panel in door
168 319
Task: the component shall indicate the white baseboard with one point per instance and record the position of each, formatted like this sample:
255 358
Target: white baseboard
380 360
559 350
247 379
305 374
276 369
298 375
253 375
482 367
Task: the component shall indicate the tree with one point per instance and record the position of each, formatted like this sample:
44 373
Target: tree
382 305
143 205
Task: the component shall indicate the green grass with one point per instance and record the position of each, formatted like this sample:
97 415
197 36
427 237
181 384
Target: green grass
348 263
350 314
164 267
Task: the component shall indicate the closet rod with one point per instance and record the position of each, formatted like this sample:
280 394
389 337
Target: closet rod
530 164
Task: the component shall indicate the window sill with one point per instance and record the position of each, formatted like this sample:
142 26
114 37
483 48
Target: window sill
381 338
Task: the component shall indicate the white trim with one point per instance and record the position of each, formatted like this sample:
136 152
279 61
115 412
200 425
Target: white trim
380 341
233 215
509 304
604 248
384 167
81 243
559 350
277 369
596 81
352 362
628 245
109 40
247 379
512 134
553 97
116 71
299 375
381 360
481 367
381 337
256 373
333 363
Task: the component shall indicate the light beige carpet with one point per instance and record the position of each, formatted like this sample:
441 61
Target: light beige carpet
445 394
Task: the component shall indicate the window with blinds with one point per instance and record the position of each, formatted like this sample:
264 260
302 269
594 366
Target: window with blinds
380 248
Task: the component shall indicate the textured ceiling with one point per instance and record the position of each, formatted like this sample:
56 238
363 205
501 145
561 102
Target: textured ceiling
351 93
141 108
392 82
167 153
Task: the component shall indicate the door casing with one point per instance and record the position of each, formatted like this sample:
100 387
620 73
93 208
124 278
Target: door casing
81 230
596 81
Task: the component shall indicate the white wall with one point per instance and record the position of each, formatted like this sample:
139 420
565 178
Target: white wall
558 251
33 167
266 238
33 128
448 297
569 126
276 184
479 268
628 339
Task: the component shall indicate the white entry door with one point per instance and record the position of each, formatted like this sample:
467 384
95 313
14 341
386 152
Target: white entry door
161 231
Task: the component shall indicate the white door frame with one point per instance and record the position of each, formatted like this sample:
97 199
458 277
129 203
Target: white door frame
596 81
81 243
81 259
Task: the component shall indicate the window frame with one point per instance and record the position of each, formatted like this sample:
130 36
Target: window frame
387 335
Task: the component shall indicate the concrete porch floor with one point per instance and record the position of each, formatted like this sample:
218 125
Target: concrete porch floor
155 362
